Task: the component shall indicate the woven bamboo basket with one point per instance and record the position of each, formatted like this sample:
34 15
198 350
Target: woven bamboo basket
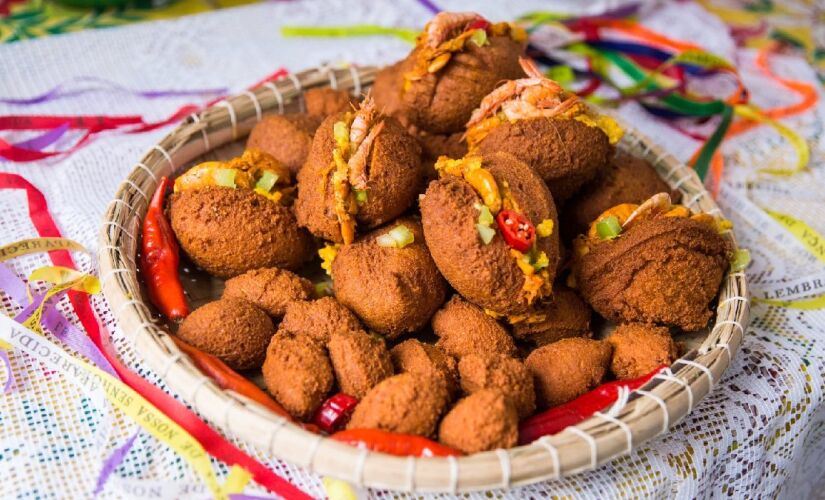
646 413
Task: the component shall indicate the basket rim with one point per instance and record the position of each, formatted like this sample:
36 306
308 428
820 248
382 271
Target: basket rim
648 413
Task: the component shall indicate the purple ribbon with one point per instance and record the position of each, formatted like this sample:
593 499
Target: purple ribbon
427 4
71 336
64 90
61 327
112 462
10 380
42 141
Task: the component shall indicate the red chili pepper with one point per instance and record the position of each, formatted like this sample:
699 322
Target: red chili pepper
159 259
573 412
516 229
393 443
481 24
334 413
227 378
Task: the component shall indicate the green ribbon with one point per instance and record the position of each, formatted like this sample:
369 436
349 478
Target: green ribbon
407 35
706 154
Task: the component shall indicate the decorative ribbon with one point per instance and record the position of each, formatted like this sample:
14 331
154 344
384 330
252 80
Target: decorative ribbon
9 373
805 234
89 126
92 380
215 444
407 35
64 90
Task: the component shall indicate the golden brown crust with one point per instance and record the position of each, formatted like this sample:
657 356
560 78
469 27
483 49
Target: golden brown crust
442 102
413 356
230 231
405 403
286 137
324 101
628 179
270 289
483 421
394 180
486 275
639 348
231 329
393 290
566 153
386 90
567 369
319 319
464 329
298 373
565 315
360 361
502 373
664 271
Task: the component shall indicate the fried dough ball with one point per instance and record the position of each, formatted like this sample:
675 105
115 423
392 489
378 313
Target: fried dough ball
360 361
565 315
393 180
566 369
319 319
386 90
435 146
463 328
230 231
406 403
413 356
502 373
483 421
286 137
628 179
441 102
565 153
639 348
270 289
393 290
324 101
298 373
486 274
230 329
663 270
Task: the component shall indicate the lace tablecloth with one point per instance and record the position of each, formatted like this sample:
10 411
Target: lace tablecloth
761 433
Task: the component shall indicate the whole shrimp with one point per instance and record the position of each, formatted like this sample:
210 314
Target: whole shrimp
531 97
657 204
445 24
362 135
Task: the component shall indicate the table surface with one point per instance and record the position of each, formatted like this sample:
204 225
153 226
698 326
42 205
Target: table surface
760 433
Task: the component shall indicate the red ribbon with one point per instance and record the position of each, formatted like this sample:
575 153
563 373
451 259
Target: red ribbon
92 125
215 444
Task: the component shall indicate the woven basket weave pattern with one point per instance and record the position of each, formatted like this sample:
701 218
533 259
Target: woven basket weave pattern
647 413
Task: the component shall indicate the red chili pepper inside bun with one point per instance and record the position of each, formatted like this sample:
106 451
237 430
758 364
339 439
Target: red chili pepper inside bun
481 24
516 229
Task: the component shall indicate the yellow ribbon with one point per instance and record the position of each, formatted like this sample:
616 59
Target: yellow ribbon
803 305
38 245
798 143
62 278
338 489
805 234
93 378
127 400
